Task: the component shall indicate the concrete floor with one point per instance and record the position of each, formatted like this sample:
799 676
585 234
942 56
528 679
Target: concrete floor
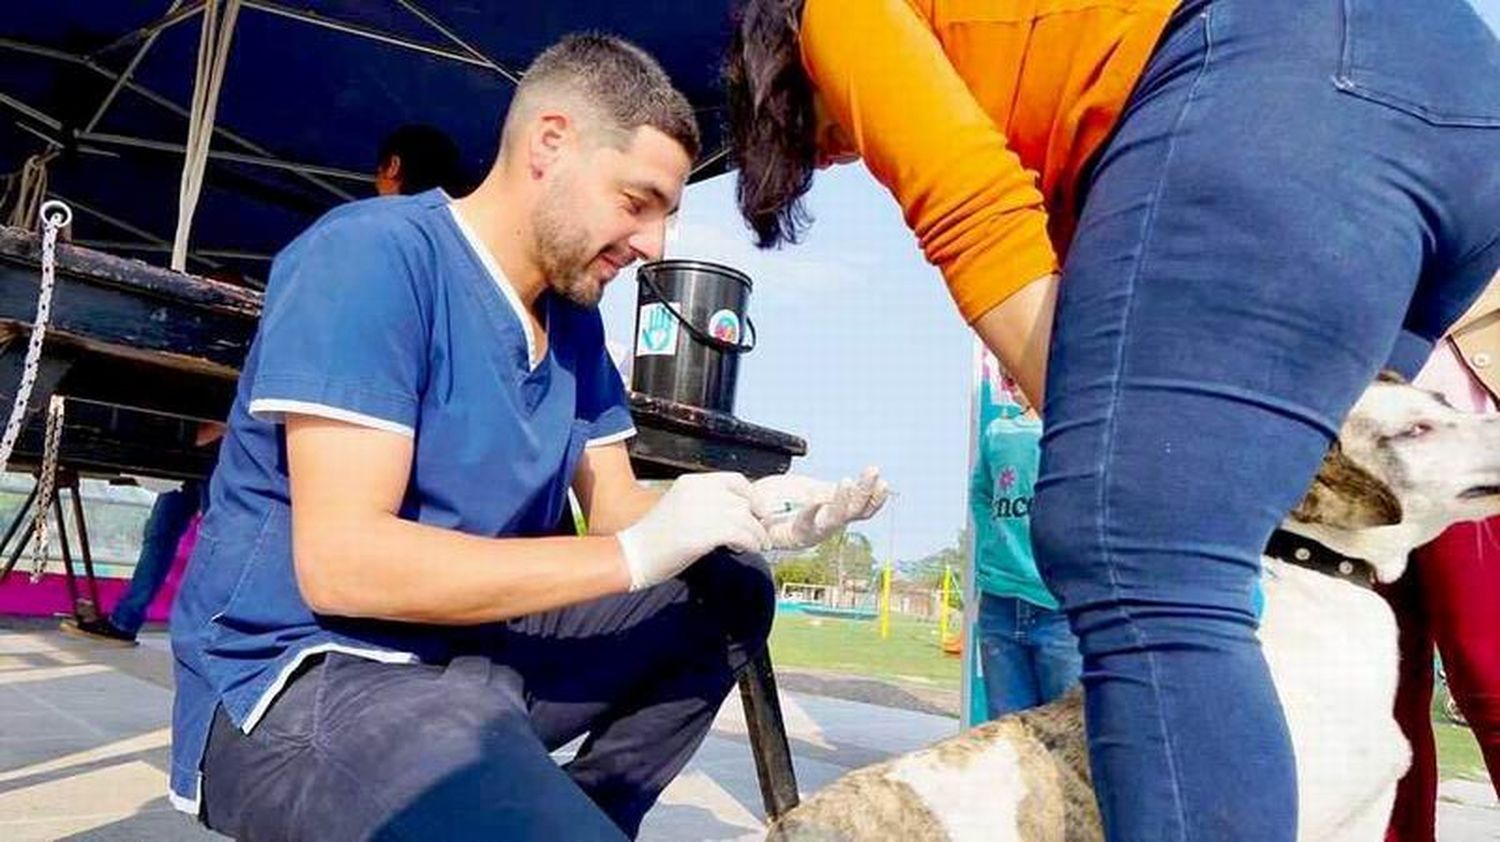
84 735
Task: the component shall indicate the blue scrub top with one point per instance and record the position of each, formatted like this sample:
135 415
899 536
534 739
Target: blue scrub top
387 313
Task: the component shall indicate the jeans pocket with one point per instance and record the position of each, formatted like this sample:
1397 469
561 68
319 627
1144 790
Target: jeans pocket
293 715
1435 60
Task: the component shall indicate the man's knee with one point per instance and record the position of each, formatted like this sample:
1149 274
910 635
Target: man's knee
740 593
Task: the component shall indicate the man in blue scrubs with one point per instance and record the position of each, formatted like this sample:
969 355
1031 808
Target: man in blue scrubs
376 637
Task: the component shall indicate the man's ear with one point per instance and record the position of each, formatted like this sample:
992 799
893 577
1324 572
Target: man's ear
549 135
1345 496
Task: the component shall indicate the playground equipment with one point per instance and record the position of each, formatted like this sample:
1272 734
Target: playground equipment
866 610
951 642
885 601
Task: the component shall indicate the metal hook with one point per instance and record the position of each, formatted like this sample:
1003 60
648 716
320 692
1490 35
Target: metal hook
55 212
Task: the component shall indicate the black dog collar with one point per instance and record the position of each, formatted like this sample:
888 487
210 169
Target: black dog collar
1305 552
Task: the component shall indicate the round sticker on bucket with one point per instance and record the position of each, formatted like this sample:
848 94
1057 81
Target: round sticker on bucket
724 325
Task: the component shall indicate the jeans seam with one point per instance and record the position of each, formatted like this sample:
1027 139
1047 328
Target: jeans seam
1345 82
317 711
1104 494
1473 255
388 829
325 757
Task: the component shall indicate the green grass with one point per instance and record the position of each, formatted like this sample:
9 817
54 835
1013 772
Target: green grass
911 653
855 647
1458 753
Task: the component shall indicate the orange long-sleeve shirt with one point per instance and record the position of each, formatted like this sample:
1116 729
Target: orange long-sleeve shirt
978 115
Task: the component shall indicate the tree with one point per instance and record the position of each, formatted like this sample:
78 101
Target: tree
849 554
806 569
928 570
843 556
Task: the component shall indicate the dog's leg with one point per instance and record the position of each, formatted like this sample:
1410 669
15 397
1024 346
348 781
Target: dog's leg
1369 824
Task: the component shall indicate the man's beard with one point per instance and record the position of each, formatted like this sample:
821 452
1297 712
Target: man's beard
562 250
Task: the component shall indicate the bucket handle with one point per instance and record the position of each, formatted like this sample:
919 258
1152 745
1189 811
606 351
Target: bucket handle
695 331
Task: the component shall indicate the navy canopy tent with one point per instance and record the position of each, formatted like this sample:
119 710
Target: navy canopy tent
103 93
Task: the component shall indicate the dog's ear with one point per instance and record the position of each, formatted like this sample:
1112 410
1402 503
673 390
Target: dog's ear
1345 496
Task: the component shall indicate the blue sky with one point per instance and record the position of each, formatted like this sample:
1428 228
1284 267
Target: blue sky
861 351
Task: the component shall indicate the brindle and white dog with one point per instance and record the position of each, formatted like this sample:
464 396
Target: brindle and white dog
1406 465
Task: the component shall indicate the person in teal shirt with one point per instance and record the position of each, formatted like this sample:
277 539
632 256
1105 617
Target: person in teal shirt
1028 656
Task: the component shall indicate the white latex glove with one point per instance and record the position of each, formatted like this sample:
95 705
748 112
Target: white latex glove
799 512
697 514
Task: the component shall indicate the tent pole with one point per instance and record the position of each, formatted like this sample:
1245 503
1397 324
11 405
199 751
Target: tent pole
50 122
156 98
364 32
125 75
237 157
128 228
170 19
436 24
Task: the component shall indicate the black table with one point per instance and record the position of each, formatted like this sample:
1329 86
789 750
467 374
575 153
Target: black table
142 355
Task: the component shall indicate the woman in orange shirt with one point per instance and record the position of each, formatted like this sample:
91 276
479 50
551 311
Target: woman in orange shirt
1239 211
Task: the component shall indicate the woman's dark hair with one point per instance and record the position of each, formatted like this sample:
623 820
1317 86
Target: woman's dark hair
771 120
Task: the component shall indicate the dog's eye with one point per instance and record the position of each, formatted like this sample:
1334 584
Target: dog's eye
1415 431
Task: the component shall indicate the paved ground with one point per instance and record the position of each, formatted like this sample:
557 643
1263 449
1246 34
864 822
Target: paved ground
84 734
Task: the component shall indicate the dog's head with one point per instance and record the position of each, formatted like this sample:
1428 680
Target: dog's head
1406 465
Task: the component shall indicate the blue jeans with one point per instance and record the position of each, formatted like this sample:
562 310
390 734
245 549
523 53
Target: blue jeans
1027 654
165 526
1299 192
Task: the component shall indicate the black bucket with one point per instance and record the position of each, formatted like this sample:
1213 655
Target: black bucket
690 330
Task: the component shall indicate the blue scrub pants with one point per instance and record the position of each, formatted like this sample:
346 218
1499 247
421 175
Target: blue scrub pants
1299 193
356 749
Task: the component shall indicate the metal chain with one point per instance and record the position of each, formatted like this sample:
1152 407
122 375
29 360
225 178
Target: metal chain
55 217
47 486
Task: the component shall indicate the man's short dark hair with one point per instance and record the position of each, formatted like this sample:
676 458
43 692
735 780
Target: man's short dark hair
429 158
621 81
